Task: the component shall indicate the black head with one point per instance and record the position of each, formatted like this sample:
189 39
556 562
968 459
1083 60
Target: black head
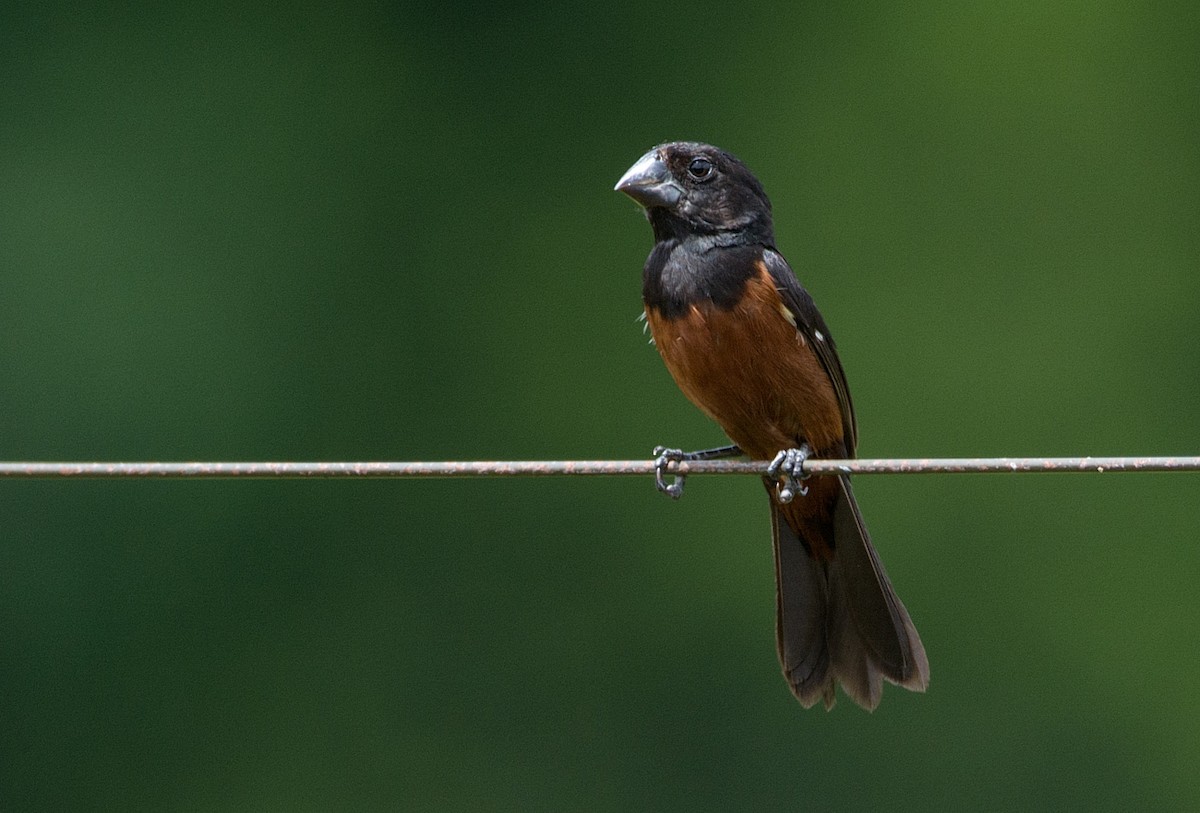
689 188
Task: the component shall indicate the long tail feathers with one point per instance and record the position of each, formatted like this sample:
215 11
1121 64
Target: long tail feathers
801 606
839 621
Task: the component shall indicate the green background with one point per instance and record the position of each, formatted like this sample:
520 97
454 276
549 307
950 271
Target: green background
388 233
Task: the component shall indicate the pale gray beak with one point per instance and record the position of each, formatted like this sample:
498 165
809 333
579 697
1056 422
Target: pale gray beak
649 182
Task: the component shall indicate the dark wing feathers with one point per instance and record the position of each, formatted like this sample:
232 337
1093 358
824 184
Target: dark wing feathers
810 323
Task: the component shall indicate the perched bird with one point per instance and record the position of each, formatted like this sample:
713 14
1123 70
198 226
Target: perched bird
744 341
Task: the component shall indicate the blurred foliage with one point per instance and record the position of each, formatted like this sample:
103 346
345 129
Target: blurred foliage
362 231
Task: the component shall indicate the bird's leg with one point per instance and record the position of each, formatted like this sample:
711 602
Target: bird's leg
664 457
787 469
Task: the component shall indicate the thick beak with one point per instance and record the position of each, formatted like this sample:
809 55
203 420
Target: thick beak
649 182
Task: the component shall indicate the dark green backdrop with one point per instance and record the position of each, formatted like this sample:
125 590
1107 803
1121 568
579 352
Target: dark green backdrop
389 233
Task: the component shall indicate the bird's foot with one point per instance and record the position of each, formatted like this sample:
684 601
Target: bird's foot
787 469
664 458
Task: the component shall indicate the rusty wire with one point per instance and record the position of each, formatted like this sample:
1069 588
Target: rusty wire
552 468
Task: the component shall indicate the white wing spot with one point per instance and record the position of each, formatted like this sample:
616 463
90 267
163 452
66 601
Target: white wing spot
820 336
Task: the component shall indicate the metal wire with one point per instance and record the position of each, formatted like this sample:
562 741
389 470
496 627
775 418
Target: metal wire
554 468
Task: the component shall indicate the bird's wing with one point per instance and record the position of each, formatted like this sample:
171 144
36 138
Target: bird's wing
812 326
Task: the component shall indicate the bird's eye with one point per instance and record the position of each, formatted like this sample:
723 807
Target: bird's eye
701 169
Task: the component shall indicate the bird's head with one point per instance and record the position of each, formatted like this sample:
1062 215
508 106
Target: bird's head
689 188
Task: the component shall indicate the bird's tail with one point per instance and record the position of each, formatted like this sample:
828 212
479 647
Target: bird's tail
839 621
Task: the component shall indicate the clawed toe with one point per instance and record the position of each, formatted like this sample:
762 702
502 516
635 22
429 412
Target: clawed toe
787 468
664 457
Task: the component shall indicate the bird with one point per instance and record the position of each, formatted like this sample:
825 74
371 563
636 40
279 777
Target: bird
744 341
